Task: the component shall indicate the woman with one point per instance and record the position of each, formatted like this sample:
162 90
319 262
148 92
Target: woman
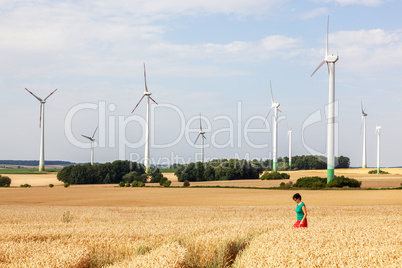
301 212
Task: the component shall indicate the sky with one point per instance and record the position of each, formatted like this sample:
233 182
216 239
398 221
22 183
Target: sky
214 58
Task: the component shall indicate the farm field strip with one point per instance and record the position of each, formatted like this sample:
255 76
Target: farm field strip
95 196
229 236
368 180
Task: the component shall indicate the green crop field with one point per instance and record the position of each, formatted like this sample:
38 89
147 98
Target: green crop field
27 171
168 170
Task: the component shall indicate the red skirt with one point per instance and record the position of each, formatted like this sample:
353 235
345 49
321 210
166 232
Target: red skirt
303 225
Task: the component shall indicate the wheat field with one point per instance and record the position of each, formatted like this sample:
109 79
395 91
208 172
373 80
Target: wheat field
392 180
200 236
108 226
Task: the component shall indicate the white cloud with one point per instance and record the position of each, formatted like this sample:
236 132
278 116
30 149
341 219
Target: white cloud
357 2
92 38
368 51
314 13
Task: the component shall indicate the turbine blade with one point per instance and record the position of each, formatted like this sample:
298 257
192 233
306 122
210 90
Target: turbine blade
200 123
50 94
138 103
319 66
86 137
326 51
152 99
197 138
328 68
40 116
267 115
145 79
39 99
279 111
94 132
203 136
272 95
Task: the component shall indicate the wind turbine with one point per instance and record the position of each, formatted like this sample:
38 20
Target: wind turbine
290 146
377 130
201 133
42 127
92 139
364 163
148 95
275 106
330 61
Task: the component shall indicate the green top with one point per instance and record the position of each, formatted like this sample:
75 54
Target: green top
299 211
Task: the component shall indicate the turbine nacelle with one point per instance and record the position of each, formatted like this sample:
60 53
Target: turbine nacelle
275 105
92 139
201 133
331 58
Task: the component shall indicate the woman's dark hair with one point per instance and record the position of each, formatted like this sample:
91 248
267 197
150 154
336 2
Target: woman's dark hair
297 196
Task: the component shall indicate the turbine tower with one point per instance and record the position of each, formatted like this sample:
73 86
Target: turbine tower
148 95
275 106
290 146
364 162
42 127
92 139
377 130
201 133
330 61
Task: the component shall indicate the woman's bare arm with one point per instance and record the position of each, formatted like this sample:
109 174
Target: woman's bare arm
305 214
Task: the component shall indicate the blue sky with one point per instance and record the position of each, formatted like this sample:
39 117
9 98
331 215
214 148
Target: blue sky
211 57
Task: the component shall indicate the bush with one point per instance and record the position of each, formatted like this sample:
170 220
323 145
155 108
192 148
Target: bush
122 184
187 183
342 181
374 171
128 184
162 181
138 184
286 185
134 176
26 185
311 182
319 183
66 185
51 185
167 183
5 181
275 176
156 177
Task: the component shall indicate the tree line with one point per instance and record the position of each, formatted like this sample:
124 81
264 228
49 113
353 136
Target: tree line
100 173
232 169
308 162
